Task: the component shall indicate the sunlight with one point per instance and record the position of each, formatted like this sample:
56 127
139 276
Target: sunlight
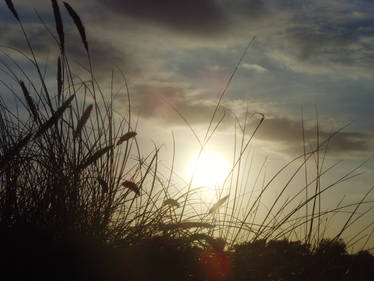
210 170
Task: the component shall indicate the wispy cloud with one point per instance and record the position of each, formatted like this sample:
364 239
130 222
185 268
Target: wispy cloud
172 106
254 67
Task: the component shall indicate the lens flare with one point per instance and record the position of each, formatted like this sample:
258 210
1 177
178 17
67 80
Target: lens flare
215 265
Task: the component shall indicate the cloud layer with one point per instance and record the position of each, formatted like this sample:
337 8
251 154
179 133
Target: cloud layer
180 54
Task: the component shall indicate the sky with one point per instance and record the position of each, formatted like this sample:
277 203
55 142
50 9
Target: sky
310 60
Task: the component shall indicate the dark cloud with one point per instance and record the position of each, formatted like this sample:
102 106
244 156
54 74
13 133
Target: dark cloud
287 134
252 9
193 16
105 56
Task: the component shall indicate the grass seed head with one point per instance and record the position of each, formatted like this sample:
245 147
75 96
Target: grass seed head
126 137
78 24
82 121
12 9
132 186
29 101
59 25
55 117
96 156
172 203
218 204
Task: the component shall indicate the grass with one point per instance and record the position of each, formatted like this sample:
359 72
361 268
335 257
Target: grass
75 186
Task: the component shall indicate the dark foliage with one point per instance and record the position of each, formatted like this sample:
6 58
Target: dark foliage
283 260
29 253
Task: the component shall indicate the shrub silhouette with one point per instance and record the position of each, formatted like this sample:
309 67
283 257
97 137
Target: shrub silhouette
158 258
289 260
275 260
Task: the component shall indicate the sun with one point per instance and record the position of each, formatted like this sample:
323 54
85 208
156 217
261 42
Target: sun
209 171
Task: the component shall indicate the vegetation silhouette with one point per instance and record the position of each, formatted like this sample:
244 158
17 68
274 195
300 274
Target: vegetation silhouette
76 204
285 260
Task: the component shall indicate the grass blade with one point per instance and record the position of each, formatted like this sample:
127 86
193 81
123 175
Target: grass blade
12 9
49 123
218 204
217 244
171 203
78 23
126 137
353 213
186 225
14 151
132 186
82 121
103 184
59 79
59 25
93 158
29 101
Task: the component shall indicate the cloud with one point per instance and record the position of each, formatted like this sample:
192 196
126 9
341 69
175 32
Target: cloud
248 8
340 42
44 5
286 134
193 16
254 67
333 38
172 106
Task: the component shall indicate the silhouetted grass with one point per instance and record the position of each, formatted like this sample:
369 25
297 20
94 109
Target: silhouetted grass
79 200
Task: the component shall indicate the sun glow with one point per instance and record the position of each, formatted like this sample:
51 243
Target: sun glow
209 171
